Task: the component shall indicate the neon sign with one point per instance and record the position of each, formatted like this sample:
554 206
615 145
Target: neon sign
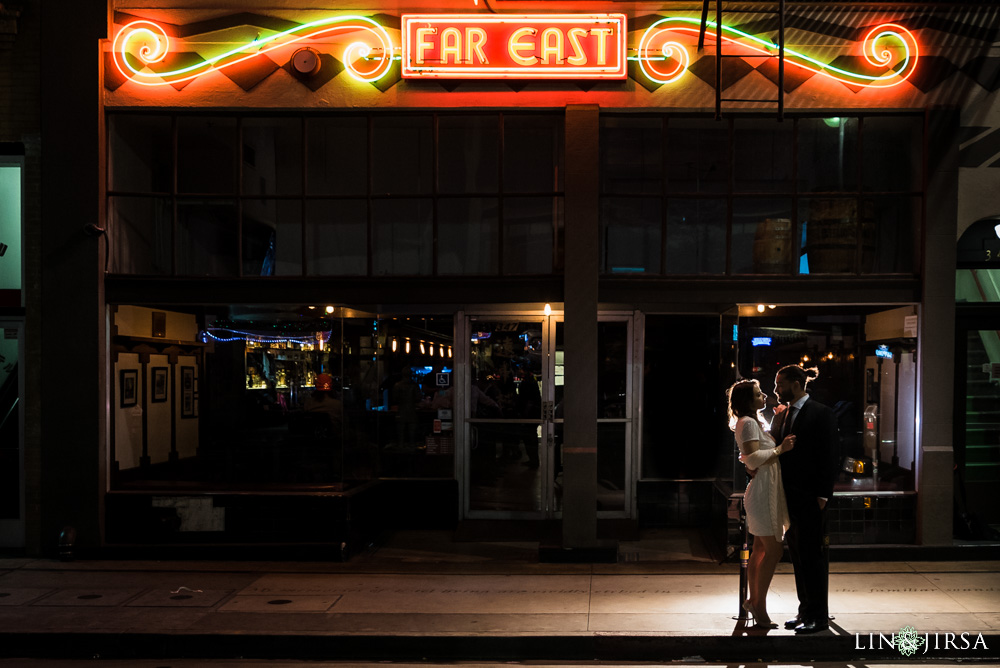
888 45
492 46
140 45
549 46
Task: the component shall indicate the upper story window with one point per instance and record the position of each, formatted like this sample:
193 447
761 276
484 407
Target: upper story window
412 194
754 196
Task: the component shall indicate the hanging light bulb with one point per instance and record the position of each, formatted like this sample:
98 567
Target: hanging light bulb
423 351
449 351
394 344
407 345
441 350
760 308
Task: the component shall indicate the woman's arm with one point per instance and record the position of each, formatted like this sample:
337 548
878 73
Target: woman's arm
748 439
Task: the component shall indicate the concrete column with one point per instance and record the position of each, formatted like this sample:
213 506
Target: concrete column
72 309
936 336
582 256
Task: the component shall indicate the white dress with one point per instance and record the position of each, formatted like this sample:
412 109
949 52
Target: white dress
764 500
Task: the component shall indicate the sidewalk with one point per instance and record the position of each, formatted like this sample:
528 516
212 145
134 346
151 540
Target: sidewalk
480 602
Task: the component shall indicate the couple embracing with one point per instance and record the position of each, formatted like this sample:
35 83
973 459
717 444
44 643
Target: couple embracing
792 482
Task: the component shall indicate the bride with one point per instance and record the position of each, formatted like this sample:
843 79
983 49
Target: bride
764 499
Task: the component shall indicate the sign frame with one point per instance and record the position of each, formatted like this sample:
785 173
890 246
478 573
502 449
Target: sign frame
413 66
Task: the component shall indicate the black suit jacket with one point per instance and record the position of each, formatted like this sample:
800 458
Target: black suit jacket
808 470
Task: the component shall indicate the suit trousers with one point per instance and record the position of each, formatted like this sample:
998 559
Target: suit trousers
805 538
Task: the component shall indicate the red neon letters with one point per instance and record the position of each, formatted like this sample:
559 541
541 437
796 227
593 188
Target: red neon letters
554 46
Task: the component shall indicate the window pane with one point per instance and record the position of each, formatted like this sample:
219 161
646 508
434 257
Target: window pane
828 154
897 224
532 154
338 156
468 152
402 237
141 235
467 236
631 155
272 238
207 238
142 157
206 155
527 233
404 148
272 156
830 235
611 459
337 237
696 237
762 160
697 156
893 153
632 231
762 240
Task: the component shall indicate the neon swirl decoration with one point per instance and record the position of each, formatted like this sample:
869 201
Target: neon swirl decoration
664 61
148 42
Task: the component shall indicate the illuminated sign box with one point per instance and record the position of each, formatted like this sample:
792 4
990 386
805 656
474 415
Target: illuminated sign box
760 341
508 46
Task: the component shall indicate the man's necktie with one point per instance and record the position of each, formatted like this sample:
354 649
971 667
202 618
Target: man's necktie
786 426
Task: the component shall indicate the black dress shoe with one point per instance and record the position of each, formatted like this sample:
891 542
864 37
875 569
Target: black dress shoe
811 627
792 623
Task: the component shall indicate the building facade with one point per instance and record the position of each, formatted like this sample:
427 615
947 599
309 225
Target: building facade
303 275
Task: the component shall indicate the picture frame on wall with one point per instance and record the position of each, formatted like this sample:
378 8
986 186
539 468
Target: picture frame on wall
128 387
187 392
159 386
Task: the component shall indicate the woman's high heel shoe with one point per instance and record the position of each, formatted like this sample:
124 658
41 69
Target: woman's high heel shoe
758 620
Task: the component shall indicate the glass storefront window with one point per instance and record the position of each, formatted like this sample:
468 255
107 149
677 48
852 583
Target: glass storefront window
782 210
242 404
858 378
381 194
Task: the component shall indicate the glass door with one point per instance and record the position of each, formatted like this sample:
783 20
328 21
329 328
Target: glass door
615 415
507 383
514 420
11 433
977 422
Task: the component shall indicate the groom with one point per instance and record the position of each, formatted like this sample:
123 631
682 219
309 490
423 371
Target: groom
807 474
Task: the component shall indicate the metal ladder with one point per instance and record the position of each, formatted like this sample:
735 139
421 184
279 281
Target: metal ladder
719 99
